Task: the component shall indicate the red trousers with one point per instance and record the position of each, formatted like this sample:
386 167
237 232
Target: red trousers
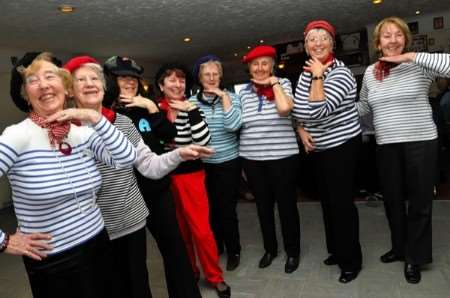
191 203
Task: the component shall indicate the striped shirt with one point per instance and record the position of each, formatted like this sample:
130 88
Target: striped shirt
334 120
223 127
191 129
123 208
265 135
55 193
399 103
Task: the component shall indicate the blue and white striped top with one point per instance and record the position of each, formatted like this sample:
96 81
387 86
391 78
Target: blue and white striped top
399 103
223 127
265 135
55 193
334 120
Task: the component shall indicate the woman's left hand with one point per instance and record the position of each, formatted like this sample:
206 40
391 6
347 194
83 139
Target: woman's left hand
405 57
181 105
215 91
139 101
316 67
266 82
192 152
84 115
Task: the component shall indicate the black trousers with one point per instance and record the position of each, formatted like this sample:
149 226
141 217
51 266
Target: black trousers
130 274
163 225
274 181
83 271
407 176
334 171
222 184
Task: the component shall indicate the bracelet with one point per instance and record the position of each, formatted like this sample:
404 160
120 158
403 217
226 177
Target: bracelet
277 82
4 244
317 78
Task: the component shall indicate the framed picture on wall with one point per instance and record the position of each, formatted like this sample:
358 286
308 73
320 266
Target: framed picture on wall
438 23
414 27
419 43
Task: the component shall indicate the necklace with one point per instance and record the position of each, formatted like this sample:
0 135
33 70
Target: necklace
84 157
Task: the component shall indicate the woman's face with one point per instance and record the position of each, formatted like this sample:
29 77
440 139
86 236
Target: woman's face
210 76
261 68
45 90
87 88
173 87
392 40
319 44
128 85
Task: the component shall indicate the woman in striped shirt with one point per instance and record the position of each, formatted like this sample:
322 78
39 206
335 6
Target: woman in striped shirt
395 91
223 114
269 152
122 205
51 165
188 180
329 129
130 99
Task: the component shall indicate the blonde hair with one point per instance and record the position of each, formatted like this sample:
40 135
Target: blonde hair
391 20
36 65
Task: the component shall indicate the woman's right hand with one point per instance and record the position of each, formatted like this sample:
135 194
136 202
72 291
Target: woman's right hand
30 245
85 115
139 101
307 140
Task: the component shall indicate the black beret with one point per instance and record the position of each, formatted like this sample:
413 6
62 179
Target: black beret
17 81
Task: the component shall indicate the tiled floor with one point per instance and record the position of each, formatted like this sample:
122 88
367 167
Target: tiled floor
312 279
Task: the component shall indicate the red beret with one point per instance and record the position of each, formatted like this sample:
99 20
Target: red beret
320 24
259 51
76 62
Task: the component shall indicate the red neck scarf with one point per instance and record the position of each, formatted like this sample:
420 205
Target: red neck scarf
329 59
109 114
57 132
164 106
382 69
263 90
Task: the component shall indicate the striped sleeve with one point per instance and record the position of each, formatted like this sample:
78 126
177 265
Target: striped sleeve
111 146
435 64
232 119
363 104
337 87
199 128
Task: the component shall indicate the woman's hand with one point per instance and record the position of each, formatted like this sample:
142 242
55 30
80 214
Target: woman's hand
405 57
30 245
315 67
181 105
307 140
192 152
270 81
84 115
215 91
139 101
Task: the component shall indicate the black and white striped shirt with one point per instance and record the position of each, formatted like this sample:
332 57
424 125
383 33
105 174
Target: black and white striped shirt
123 207
399 103
265 135
334 120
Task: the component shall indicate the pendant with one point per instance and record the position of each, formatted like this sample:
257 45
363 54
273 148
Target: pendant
65 148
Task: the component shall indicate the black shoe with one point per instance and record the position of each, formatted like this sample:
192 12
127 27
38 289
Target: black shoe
233 261
412 273
331 260
266 260
390 257
291 264
223 290
348 276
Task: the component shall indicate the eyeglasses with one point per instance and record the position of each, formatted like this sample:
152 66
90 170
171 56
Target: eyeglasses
318 38
35 80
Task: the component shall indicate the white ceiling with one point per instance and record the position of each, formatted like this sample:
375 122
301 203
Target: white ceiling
152 31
